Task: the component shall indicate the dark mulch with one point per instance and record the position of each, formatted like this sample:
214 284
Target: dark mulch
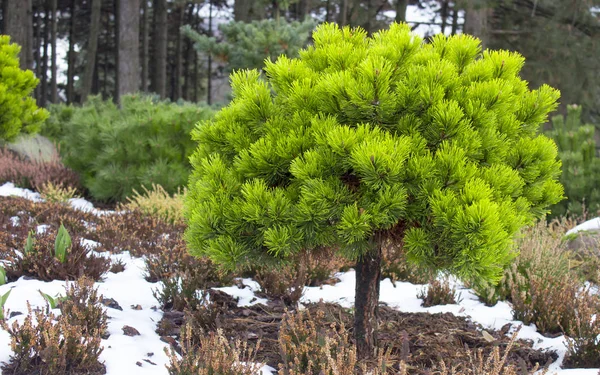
421 339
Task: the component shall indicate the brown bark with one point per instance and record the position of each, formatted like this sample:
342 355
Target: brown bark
15 25
88 74
53 31
401 6
159 76
476 22
209 67
178 75
344 13
366 302
71 55
128 46
144 52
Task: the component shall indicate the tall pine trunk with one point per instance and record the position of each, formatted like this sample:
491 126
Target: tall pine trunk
15 25
144 52
366 301
159 76
128 46
44 73
88 74
178 76
401 6
476 22
53 32
209 67
71 55
344 13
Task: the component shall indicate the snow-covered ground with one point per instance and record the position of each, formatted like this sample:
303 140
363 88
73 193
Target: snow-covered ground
124 354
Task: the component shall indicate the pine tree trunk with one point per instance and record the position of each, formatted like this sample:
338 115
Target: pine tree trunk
242 10
401 6
344 13
209 68
178 54
454 20
88 74
189 55
44 73
37 57
128 47
144 57
29 27
159 76
71 55
15 21
366 302
476 22
53 32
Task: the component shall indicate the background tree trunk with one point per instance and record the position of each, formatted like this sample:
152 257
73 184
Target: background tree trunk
44 71
401 6
366 302
159 76
209 67
53 31
88 75
144 57
15 21
128 46
476 22
71 55
178 53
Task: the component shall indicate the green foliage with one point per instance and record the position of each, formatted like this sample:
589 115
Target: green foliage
367 139
3 299
119 150
247 45
62 244
581 164
18 111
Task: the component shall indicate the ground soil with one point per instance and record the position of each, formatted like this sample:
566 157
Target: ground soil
421 339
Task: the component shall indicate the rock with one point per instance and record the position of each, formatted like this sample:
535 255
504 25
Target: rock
130 331
34 147
14 313
139 363
109 302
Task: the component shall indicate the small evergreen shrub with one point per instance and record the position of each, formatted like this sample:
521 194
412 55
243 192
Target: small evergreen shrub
18 111
581 165
157 202
57 193
121 150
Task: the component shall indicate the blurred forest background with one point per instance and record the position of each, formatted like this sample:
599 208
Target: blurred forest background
113 47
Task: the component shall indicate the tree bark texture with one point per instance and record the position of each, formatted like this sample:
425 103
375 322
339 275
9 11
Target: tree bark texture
129 46
88 74
401 6
159 76
178 76
71 55
44 73
144 51
476 22
15 25
366 302
53 32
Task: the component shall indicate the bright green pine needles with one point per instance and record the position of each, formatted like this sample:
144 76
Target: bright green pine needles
18 111
364 139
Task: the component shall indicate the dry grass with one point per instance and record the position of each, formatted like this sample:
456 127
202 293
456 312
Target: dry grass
438 293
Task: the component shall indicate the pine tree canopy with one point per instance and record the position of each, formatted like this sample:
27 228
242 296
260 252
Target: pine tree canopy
18 110
362 139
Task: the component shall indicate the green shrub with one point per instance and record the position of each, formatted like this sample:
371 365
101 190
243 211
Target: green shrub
581 164
18 110
119 150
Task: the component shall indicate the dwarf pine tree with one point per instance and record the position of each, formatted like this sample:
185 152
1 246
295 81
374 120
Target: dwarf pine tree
365 141
18 110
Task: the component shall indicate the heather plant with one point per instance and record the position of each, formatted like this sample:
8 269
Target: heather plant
439 292
214 355
69 343
18 111
581 164
365 140
119 150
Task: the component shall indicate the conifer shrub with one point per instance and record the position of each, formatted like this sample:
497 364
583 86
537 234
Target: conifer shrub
581 165
119 150
18 112
365 140
157 202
